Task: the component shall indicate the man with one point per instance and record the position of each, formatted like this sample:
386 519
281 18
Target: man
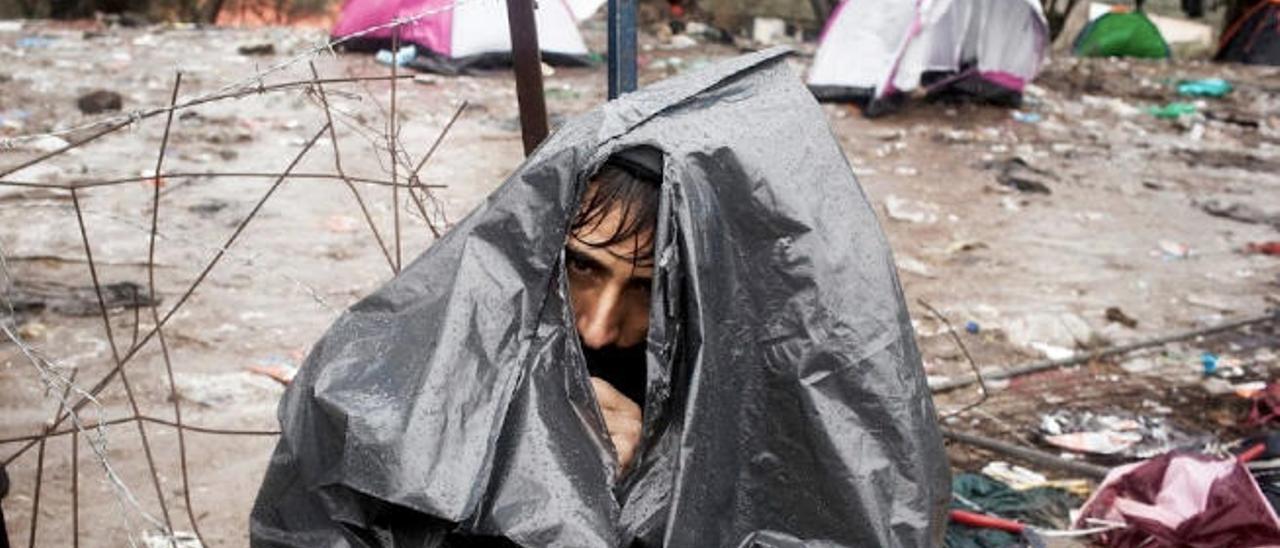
677 324
609 267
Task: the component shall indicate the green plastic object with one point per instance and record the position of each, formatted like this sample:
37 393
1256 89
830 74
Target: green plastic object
1115 34
1172 110
1207 87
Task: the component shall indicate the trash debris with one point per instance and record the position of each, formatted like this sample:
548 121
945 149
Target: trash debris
35 42
680 41
972 327
1207 87
1263 248
768 31
99 101
1022 479
900 209
1174 250
180 539
280 369
977 500
266 48
402 56
907 263
1185 500
1114 434
1172 110
1026 117
1053 334
1114 314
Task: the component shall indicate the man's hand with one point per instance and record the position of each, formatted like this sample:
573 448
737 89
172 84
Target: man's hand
623 419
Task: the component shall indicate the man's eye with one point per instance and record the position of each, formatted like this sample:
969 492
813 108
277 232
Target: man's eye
577 264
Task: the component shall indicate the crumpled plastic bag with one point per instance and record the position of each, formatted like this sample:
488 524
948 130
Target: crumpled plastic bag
786 402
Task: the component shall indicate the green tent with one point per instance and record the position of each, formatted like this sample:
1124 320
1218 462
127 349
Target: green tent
1122 34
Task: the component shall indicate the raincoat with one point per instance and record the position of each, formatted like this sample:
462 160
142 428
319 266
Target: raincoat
786 403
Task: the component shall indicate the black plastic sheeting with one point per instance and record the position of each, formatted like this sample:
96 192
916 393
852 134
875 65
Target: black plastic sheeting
786 402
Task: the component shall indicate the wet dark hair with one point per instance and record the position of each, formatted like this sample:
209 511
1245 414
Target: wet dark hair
635 196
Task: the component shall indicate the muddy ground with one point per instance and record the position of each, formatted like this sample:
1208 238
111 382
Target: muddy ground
1123 225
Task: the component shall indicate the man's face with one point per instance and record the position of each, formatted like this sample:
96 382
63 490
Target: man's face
609 289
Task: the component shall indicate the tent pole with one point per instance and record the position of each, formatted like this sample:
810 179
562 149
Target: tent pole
622 47
527 58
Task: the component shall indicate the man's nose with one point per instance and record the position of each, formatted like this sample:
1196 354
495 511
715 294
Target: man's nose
598 324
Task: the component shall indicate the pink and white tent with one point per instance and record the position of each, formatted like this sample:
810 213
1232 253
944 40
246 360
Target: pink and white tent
871 49
462 30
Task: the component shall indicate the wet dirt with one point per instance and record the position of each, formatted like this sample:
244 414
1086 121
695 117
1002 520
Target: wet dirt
1124 193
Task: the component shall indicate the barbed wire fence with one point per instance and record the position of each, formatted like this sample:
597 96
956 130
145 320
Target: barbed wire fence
78 410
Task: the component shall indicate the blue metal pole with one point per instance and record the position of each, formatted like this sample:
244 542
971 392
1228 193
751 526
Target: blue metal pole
622 47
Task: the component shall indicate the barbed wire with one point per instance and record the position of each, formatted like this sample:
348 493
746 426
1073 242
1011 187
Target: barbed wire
73 399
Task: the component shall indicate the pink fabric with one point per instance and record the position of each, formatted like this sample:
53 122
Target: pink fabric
1005 79
433 32
1185 501
831 19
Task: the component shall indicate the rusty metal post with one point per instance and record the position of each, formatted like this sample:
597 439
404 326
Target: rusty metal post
527 58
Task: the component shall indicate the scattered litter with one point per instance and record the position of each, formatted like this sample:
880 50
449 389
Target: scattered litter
11 25
900 209
46 143
680 41
768 31
906 171
1027 117
266 48
1197 500
1210 302
907 263
1174 250
426 79
972 327
180 539
35 42
1114 434
1025 516
1022 479
547 70
98 101
402 57
1208 87
1264 248
1054 335
280 369
1220 366
1172 110
33 330
1115 315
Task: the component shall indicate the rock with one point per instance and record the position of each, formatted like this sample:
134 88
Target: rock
98 101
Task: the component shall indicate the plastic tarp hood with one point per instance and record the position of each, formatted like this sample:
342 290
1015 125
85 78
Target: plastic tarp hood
786 402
